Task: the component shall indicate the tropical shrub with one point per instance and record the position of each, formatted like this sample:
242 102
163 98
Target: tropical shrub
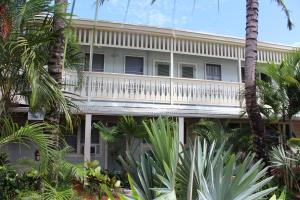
285 162
201 171
12 183
91 180
127 127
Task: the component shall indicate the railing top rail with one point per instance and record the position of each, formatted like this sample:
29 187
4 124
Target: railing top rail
98 74
192 35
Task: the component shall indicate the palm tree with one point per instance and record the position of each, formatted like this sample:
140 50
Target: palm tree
256 121
55 63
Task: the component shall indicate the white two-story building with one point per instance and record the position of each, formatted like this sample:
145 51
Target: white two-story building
148 71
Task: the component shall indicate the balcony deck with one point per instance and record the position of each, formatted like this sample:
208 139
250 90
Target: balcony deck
125 88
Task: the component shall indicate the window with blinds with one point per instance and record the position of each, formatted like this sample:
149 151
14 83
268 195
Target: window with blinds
213 72
134 65
187 71
162 69
98 62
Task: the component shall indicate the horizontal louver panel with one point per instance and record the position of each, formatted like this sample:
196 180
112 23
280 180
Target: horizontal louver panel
187 72
213 72
163 70
134 65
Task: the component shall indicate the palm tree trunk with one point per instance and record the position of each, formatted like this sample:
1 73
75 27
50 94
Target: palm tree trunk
256 121
55 63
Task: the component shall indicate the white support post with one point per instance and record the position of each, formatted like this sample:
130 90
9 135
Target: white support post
91 36
240 76
78 147
181 131
240 70
171 71
87 137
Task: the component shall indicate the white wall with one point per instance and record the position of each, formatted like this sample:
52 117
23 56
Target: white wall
114 62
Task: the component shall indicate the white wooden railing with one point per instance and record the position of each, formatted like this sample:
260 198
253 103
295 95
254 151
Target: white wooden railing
152 89
214 46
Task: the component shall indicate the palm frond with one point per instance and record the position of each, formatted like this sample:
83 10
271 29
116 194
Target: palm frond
286 11
27 134
51 193
106 133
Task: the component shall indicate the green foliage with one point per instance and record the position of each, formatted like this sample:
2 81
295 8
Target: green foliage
229 180
91 180
294 145
156 169
127 127
279 98
285 167
51 193
201 171
12 183
282 196
239 139
24 56
4 159
212 131
28 134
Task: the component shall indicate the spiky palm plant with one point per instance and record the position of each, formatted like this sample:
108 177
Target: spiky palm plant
285 163
202 171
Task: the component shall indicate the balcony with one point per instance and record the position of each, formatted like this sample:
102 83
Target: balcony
111 87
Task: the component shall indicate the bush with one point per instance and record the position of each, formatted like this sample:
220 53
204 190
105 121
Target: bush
12 183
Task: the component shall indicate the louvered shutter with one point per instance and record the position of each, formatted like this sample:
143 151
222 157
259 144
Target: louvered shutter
213 72
134 65
98 62
187 72
163 69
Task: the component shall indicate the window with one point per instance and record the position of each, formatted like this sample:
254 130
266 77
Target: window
187 71
98 62
243 74
71 140
134 65
213 72
162 69
95 140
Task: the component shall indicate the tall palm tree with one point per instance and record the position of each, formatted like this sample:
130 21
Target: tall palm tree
55 63
256 121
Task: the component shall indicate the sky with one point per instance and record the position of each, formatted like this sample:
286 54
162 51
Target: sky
224 18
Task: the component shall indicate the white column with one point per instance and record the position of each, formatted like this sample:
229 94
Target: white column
181 131
87 137
240 70
240 75
171 71
91 36
78 138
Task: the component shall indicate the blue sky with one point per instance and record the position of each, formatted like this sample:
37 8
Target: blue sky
200 15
